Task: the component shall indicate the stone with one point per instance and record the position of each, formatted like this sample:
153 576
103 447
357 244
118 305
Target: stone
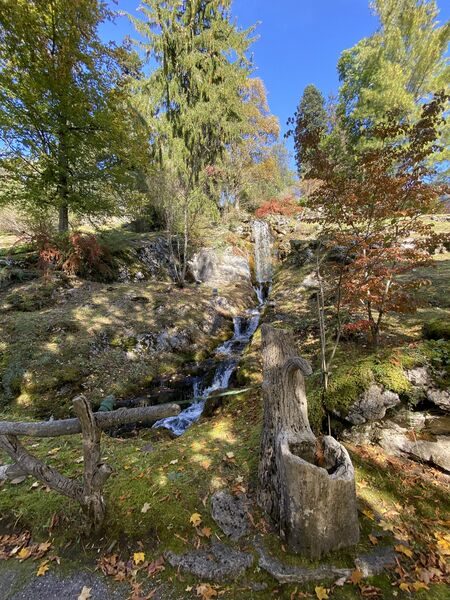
399 441
375 562
440 398
216 269
419 377
216 562
372 405
310 282
230 513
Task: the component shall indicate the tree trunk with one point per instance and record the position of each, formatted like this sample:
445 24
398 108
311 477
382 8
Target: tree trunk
63 224
306 485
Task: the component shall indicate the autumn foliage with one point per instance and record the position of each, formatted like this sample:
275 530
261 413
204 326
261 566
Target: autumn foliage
372 210
74 254
286 206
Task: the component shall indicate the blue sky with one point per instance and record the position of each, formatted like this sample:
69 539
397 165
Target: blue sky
299 42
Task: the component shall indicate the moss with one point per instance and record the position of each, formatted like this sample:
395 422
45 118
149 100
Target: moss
437 329
124 342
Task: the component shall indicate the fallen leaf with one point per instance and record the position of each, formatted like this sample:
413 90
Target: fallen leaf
321 593
404 550
404 587
156 566
196 519
341 581
18 480
85 593
420 585
145 508
53 452
230 455
373 539
206 532
138 557
24 553
205 591
356 576
173 462
43 568
369 514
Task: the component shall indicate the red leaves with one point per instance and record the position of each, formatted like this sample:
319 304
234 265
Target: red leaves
284 206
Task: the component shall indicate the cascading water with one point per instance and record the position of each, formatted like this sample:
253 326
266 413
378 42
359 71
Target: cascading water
230 351
263 259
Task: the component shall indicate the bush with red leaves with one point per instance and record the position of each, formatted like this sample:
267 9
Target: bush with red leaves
286 206
75 254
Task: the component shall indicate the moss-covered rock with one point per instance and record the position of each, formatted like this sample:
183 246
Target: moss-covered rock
437 329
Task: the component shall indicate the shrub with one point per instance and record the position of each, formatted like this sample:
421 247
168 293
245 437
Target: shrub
76 254
286 206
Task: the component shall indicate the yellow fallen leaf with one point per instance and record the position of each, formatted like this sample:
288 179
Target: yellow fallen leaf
386 526
138 557
196 519
420 585
369 514
321 593
404 587
145 508
24 553
230 455
85 593
53 452
404 550
43 568
444 546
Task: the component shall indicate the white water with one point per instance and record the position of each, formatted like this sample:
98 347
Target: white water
244 328
230 351
263 251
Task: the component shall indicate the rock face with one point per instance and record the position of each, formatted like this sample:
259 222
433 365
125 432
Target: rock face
403 442
216 563
372 405
214 268
421 378
230 514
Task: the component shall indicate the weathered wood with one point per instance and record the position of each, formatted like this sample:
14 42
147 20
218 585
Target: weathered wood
306 485
33 466
104 420
95 471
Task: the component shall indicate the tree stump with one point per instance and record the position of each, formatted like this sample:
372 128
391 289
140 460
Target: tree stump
306 484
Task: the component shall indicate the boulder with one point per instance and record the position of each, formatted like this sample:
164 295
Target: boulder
216 562
230 514
440 398
402 442
372 405
214 268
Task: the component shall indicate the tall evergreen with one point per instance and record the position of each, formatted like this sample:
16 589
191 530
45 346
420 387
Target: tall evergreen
193 97
310 123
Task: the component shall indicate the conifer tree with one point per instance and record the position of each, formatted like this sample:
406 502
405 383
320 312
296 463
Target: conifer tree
310 121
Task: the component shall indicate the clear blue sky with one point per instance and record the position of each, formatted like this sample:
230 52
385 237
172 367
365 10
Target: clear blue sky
299 42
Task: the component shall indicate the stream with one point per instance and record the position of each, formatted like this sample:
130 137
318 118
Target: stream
228 354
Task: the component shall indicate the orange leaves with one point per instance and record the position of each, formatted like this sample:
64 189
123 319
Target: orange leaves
206 591
286 206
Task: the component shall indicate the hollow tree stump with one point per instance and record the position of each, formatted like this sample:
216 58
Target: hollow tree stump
306 485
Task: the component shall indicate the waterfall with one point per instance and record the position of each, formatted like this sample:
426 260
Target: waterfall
263 259
229 353
263 251
244 328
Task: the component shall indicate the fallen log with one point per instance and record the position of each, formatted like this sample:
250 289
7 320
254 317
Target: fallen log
104 420
87 493
306 485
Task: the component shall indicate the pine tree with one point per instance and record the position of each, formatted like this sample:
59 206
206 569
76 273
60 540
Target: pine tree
63 111
310 120
193 99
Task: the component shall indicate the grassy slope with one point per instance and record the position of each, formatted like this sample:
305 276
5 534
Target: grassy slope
177 478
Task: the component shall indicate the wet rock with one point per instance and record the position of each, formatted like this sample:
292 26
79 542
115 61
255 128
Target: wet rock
216 563
230 513
214 268
437 424
372 405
